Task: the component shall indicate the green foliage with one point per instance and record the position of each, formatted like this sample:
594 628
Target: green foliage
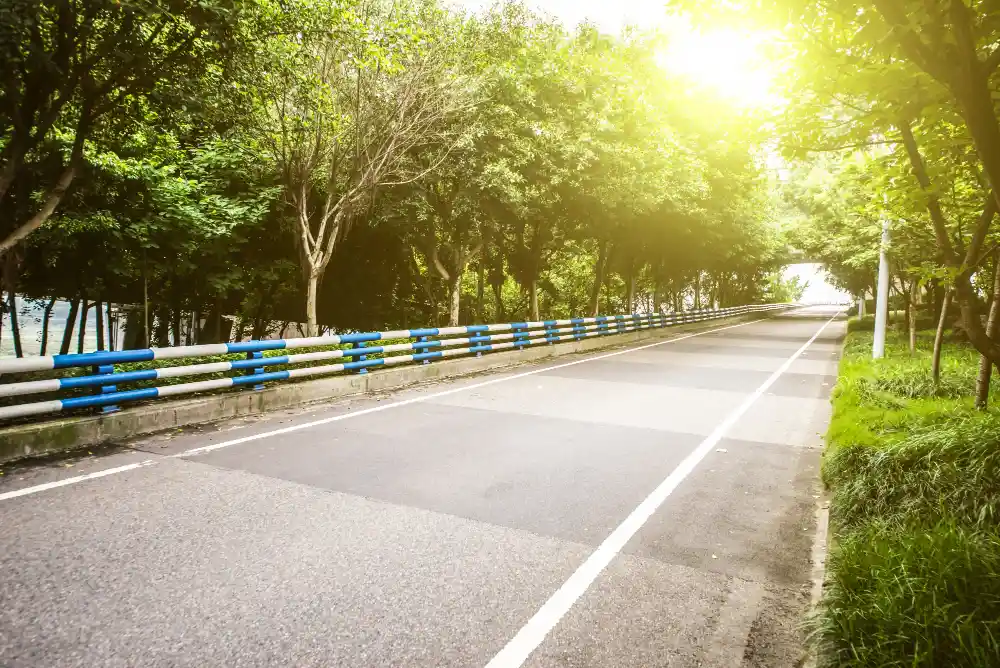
915 476
912 596
397 162
946 470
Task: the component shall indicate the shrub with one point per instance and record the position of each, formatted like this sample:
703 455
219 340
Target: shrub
909 596
944 470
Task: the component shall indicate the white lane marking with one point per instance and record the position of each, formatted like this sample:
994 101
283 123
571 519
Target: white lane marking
531 635
75 479
344 416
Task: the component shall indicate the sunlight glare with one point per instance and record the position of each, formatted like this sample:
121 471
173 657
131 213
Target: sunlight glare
727 61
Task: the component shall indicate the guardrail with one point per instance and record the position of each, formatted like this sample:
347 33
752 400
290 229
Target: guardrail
424 346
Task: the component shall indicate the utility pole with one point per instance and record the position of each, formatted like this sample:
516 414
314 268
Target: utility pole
882 296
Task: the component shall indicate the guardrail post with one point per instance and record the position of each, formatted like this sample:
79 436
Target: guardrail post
518 340
103 370
423 339
361 358
549 333
256 371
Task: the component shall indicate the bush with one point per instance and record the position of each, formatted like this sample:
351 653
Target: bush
914 579
950 470
909 596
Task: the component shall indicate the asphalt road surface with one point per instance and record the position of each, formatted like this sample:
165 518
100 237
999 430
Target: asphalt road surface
653 507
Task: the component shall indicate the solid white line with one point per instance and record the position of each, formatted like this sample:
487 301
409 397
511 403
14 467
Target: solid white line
366 411
75 479
531 635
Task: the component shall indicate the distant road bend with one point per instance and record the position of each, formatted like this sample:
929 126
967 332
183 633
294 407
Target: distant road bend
647 507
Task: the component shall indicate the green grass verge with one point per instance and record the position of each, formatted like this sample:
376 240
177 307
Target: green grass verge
914 575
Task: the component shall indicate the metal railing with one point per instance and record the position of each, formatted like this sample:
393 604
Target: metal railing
422 345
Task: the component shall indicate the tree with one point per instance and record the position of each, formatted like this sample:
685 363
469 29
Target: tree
76 72
341 104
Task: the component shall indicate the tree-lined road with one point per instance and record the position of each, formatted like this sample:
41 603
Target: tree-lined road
653 507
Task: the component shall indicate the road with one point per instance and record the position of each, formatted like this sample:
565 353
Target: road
649 507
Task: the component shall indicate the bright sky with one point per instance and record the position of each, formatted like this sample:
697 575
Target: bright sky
819 290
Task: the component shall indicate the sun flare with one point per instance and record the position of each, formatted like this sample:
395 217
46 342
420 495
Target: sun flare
729 62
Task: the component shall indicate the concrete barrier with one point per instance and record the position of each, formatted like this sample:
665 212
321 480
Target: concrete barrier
65 434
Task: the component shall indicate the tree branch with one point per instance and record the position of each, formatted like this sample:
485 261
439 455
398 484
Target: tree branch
842 147
933 204
54 197
979 236
911 42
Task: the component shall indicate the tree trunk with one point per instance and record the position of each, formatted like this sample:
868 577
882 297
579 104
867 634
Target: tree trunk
241 330
112 329
911 315
145 304
161 327
939 337
976 100
15 328
697 291
630 292
83 326
481 291
135 334
498 301
46 317
533 299
259 329
312 291
52 200
888 299
99 314
454 299
595 291
176 326
982 123
992 329
904 292
67 340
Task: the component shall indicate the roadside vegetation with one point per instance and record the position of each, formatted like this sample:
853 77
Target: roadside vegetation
913 577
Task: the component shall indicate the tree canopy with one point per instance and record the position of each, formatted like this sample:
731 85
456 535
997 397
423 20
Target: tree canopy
220 169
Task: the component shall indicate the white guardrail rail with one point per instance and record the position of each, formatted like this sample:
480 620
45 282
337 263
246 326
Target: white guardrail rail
101 378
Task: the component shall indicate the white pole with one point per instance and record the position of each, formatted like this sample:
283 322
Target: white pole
882 298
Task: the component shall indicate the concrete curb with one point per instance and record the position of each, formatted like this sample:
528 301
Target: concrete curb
61 435
823 541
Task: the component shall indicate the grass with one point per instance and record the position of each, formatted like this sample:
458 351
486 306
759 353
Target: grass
907 596
914 469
